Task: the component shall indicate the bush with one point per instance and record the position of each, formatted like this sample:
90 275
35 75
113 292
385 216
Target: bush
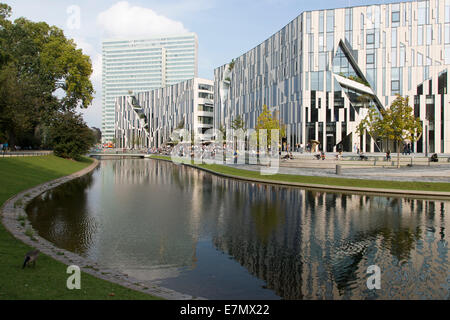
69 136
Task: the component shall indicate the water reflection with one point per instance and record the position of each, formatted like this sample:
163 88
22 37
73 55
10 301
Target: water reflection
70 226
221 238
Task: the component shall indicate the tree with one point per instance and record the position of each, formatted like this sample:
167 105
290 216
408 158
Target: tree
20 106
231 64
47 72
238 123
268 121
98 134
223 130
69 136
396 123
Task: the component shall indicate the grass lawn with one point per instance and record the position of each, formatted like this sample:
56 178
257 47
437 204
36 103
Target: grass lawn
330 181
48 279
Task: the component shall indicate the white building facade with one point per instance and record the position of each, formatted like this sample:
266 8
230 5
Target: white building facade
325 68
142 65
148 119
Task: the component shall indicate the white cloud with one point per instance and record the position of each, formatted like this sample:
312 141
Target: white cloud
123 20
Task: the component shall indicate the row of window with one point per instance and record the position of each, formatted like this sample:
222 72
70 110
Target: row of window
205 108
207 87
205 95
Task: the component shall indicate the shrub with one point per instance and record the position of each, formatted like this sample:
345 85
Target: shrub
69 136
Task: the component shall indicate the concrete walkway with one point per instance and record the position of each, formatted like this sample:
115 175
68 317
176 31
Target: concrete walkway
25 153
436 173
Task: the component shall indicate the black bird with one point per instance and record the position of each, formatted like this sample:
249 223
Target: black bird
30 257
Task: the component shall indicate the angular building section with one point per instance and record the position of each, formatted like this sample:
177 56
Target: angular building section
325 69
143 65
148 118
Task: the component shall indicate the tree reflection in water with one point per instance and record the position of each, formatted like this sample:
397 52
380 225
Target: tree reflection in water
62 213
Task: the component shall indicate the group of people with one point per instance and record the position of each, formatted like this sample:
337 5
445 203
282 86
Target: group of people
288 156
407 149
320 156
6 147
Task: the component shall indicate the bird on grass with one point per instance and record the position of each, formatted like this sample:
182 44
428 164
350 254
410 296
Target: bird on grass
30 257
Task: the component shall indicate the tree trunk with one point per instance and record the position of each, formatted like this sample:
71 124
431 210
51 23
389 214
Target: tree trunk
398 154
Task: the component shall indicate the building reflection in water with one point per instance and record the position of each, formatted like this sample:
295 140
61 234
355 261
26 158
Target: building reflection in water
148 217
319 244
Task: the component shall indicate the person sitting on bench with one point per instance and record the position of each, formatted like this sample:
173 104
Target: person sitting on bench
322 155
434 158
362 157
388 155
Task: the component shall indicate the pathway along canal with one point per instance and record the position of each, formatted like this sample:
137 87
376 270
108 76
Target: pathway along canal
218 238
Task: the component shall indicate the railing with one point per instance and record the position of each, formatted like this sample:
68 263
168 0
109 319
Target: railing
36 153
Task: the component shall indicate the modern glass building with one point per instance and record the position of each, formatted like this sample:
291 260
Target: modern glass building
143 65
147 119
325 68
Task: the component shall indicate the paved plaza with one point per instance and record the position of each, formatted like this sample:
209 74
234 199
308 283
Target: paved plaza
421 170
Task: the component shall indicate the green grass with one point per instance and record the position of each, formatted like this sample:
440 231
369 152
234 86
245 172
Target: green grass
329 181
48 279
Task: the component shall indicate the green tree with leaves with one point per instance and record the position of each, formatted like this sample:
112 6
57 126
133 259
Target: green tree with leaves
69 136
269 121
238 124
396 123
47 72
223 131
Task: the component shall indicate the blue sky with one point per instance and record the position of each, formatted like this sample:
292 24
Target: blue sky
226 29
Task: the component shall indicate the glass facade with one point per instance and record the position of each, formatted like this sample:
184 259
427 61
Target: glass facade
325 68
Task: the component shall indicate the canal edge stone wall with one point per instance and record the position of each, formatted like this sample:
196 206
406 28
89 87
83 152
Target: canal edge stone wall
417 194
13 211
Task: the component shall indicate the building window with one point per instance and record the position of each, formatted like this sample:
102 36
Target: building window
394 38
348 19
420 35
205 95
370 38
330 21
330 41
395 81
370 58
447 34
423 13
322 61
205 87
419 59
429 35
447 11
394 57
395 86
395 17
321 21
